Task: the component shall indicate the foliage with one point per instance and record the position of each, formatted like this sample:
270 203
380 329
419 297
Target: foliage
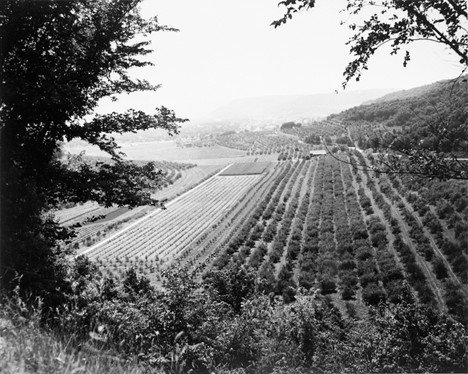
438 134
26 347
399 23
187 328
58 60
432 134
411 338
289 125
232 284
312 139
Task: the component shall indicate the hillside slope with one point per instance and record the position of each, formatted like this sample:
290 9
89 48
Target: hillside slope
412 92
418 107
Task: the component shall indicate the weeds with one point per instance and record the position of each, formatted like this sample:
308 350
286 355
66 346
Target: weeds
26 347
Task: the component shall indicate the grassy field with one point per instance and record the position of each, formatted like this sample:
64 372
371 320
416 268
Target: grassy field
167 151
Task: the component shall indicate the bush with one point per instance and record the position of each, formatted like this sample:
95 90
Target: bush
347 265
327 286
349 279
394 290
439 268
348 293
373 294
306 280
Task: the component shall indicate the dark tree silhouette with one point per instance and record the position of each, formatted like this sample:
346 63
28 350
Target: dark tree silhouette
58 60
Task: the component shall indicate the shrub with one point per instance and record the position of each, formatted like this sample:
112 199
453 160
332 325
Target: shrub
439 268
373 294
327 286
348 293
347 265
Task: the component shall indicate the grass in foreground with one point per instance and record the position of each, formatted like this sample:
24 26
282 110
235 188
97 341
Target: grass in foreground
26 348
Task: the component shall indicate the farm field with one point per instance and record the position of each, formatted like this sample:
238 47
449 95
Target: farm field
94 222
243 159
264 148
180 179
115 218
165 234
188 179
168 151
246 168
319 224
267 145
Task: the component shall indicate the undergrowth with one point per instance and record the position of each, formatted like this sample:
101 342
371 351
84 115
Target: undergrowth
28 346
223 325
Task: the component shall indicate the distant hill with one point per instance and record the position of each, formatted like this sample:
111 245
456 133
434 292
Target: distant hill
418 106
412 92
291 107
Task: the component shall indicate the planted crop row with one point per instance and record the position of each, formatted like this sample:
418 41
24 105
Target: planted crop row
322 128
418 276
454 248
169 231
430 242
218 245
307 266
243 236
276 273
203 251
364 243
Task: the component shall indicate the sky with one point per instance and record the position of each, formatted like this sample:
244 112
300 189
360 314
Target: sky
227 50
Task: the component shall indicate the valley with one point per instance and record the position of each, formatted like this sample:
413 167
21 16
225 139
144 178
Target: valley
298 219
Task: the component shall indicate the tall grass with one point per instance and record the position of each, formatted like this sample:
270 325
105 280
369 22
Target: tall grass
26 347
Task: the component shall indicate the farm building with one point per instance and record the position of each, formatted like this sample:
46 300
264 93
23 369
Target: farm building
317 152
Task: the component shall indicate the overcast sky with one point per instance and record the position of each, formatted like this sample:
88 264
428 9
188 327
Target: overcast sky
227 50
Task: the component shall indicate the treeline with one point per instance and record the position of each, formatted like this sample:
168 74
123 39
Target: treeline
290 125
327 128
443 98
416 119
